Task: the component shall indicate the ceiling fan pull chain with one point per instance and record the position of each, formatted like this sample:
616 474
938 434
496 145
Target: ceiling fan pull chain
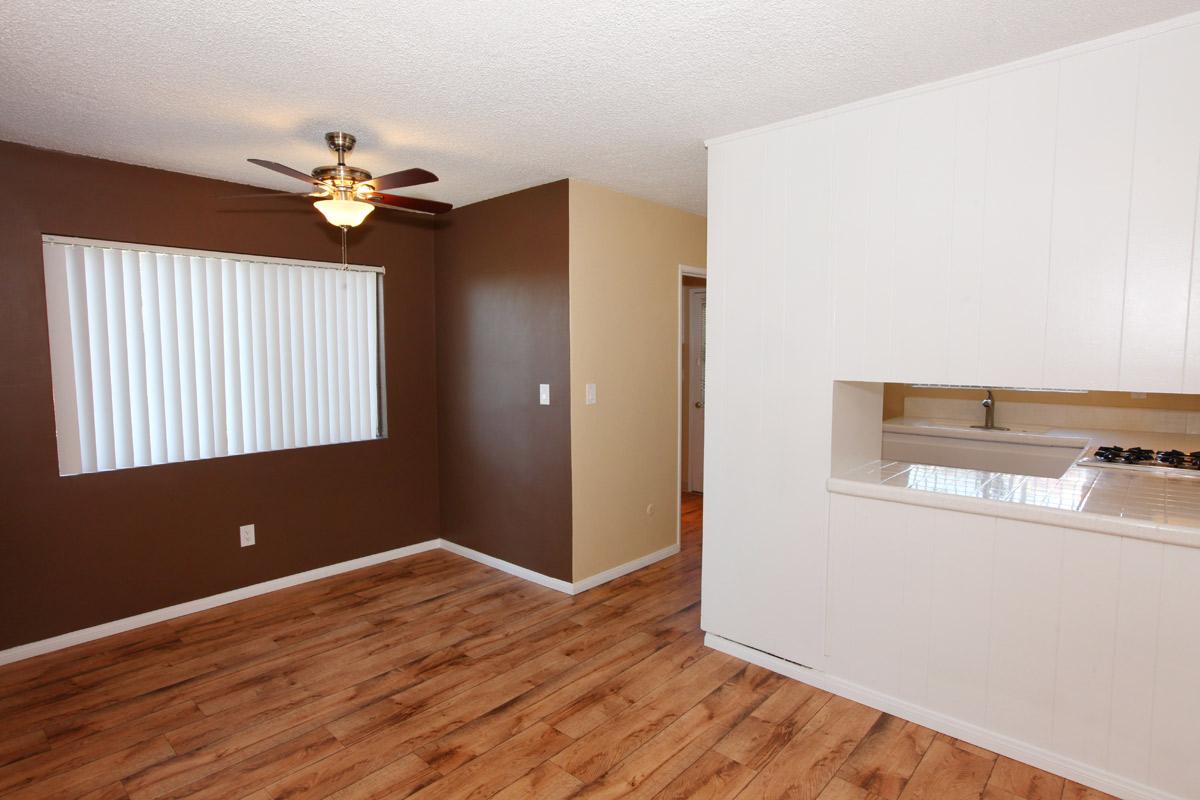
345 264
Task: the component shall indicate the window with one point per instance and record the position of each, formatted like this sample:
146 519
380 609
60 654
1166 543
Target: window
162 355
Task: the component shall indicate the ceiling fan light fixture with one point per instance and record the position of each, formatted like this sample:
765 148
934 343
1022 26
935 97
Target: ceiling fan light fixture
344 213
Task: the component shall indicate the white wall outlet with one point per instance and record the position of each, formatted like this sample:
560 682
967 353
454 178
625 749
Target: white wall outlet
544 394
589 394
246 533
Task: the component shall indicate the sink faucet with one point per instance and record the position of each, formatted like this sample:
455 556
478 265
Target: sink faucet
989 414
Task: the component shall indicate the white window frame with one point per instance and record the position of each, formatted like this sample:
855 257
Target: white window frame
63 356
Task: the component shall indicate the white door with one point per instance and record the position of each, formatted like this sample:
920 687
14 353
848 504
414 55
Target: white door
696 308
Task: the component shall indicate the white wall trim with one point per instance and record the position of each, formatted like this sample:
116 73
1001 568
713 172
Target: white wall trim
65 640
505 566
24 651
624 569
982 737
1053 55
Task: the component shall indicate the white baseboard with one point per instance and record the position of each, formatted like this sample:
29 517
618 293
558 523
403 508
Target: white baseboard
990 740
24 651
510 568
21 652
624 569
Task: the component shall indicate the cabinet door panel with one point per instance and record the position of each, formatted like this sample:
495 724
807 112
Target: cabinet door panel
1097 111
1173 762
1024 643
851 192
1083 690
769 372
1016 253
925 192
1162 214
964 282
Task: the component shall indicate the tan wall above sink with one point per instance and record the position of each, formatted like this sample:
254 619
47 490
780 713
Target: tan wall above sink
894 395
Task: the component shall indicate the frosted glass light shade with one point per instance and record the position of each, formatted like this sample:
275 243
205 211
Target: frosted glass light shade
344 213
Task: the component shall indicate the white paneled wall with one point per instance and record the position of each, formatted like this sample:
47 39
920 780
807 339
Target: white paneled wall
1078 643
1031 227
762 323
1034 225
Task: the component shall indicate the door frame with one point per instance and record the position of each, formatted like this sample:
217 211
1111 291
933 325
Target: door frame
681 419
691 292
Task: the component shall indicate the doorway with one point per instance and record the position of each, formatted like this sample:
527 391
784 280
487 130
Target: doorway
694 358
693 305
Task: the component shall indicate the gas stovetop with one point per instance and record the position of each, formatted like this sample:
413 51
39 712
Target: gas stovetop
1141 458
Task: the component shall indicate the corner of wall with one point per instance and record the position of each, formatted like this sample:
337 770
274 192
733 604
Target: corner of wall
625 254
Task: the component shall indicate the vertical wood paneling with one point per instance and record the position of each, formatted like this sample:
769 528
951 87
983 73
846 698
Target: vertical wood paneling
869 640
1091 567
1093 166
962 547
1162 215
1134 656
964 279
1176 733
746 508
1024 641
925 192
808 367
851 194
879 263
1016 253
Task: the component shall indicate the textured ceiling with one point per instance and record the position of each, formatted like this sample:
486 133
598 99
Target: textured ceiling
492 96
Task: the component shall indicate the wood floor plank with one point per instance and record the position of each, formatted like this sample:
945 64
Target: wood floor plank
696 730
596 753
755 740
546 781
435 676
399 779
499 767
948 773
805 765
1073 791
885 759
1024 781
712 777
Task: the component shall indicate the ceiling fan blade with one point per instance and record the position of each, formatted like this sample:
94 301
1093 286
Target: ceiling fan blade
408 203
284 170
405 177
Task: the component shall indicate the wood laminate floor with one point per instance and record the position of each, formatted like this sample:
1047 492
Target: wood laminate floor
437 677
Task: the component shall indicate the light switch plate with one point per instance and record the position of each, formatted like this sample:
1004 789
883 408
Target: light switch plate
590 394
544 393
246 535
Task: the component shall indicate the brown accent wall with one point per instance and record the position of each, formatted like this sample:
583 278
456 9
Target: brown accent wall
503 327
81 550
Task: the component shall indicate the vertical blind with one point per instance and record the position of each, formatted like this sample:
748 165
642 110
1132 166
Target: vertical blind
162 355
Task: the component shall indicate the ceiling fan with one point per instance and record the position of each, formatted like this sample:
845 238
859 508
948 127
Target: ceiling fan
346 194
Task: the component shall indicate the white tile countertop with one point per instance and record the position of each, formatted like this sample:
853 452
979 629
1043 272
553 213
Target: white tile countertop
1159 505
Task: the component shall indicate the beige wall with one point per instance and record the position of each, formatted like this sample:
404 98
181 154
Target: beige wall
895 394
624 297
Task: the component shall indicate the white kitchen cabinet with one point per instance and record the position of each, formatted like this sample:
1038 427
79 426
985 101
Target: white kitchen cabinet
850 223
964 280
1016 225
1097 109
1162 214
921 255
1078 643
769 363
1034 225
